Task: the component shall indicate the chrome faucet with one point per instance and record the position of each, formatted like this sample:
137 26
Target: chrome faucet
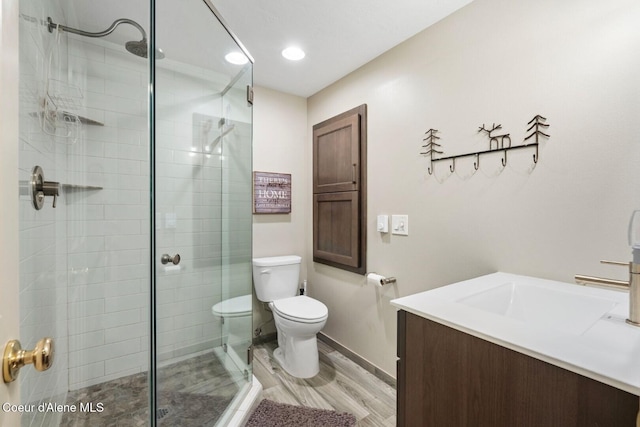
633 285
634 273
601 281
634 293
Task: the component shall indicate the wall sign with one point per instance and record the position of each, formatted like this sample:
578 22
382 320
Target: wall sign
271 193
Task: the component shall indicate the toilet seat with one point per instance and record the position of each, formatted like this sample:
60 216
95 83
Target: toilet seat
233 307
301 309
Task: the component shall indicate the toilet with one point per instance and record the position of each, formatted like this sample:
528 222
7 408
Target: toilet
233 307
298 318
235 315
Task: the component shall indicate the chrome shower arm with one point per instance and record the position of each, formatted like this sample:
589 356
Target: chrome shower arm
52 25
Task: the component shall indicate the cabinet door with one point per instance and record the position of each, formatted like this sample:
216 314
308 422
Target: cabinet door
336 154
340 191
335 228
449 378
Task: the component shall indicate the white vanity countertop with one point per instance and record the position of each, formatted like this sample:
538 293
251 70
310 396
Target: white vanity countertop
581 329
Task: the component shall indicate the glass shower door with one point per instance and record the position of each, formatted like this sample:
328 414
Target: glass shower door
202 217
87 277
237 222
84 263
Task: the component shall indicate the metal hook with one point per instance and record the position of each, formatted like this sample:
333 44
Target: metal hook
452 167
504 159
476 164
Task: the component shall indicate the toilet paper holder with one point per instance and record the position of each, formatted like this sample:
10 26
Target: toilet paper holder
381 279
387 280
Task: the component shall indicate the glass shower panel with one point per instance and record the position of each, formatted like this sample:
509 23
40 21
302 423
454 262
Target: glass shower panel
85 252
195 378
85 256
237 219
43 240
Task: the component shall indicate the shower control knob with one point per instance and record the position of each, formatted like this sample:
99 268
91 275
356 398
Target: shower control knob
41 188
166 259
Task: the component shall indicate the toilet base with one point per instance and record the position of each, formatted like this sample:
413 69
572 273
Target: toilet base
304 364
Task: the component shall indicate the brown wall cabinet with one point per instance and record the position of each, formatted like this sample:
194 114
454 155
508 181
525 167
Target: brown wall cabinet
449 378
339 190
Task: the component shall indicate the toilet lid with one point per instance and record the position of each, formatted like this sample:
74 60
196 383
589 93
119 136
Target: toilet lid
233 307
301 309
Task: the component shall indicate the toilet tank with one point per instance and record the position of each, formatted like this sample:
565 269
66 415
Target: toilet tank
276 277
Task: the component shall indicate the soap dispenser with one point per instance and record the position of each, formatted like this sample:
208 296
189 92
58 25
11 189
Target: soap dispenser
634 270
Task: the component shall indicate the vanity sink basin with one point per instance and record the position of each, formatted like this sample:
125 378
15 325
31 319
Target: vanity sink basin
541 307
578 328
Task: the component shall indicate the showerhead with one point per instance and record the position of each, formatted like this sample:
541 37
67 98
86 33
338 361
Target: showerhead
141 49
138 48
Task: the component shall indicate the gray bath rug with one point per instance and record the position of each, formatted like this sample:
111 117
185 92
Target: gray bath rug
273 414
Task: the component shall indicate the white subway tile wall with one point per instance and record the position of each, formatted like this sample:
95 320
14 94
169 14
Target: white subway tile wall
108 229
109 298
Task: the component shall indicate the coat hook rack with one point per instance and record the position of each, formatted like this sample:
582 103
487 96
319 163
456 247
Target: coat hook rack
431 146
494 138
537 122
500 142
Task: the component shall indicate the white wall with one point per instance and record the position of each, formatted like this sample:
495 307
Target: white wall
574 62
280 145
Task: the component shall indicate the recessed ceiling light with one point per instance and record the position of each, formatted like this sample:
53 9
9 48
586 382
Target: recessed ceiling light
236 58
293 53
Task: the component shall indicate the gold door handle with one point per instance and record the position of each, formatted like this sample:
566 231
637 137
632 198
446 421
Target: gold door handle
15 358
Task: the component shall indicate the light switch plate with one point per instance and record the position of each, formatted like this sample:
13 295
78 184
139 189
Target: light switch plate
382 225
400 224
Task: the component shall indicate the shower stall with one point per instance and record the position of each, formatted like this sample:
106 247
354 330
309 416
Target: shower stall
135 140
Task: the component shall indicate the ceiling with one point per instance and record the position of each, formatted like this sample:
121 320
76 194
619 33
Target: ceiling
338 36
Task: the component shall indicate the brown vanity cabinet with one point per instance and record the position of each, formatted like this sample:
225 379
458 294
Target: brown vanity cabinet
449 378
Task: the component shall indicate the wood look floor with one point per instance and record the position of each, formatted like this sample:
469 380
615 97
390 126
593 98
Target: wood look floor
341 385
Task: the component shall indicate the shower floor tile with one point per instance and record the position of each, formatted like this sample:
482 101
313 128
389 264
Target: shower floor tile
194 392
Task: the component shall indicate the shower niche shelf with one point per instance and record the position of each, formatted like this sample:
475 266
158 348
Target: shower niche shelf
74 187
